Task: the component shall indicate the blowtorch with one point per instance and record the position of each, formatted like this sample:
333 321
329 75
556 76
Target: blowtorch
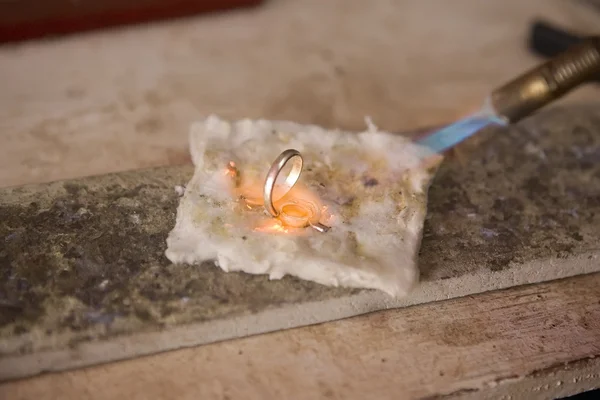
525 94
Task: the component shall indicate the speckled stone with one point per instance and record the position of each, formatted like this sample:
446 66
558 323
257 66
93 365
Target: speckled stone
531 191
82 262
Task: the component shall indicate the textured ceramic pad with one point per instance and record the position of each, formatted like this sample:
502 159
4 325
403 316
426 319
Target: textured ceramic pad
369 187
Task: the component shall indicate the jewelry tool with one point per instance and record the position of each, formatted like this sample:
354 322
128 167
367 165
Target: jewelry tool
526 94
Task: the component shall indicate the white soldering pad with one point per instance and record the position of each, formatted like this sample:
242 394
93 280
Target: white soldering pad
373 186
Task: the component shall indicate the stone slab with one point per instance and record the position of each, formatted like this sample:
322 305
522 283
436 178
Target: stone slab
84 279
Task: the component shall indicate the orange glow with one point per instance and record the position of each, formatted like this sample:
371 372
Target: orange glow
231 170
272 226
299 208
295 216
295 211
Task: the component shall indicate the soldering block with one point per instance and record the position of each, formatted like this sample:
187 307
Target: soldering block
371 187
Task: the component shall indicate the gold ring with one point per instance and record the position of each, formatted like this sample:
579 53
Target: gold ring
290 180
295 216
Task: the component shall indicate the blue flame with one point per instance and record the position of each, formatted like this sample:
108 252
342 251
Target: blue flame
455 133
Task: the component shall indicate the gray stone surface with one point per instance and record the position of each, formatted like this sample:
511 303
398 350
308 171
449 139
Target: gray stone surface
83 277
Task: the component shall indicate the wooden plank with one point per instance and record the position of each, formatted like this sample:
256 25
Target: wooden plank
463 347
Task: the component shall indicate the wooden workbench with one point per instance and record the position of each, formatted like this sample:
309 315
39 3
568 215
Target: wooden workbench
59 123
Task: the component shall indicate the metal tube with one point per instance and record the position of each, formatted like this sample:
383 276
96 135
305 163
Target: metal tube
536 88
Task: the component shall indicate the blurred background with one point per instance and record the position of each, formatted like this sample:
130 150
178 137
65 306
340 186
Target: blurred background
96 87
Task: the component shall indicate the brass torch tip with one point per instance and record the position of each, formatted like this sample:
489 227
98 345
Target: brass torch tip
549 81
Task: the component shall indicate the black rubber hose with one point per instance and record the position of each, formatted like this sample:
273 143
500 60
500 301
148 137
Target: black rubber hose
549 41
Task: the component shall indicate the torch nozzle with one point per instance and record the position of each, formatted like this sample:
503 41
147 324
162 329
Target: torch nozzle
549 81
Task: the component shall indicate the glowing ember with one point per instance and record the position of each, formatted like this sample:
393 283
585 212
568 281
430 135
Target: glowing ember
299 208
231 170
272 226
233 173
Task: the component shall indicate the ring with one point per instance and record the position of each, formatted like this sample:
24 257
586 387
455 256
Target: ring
295 216
273 173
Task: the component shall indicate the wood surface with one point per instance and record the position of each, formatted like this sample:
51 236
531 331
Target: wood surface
124 99
461 347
